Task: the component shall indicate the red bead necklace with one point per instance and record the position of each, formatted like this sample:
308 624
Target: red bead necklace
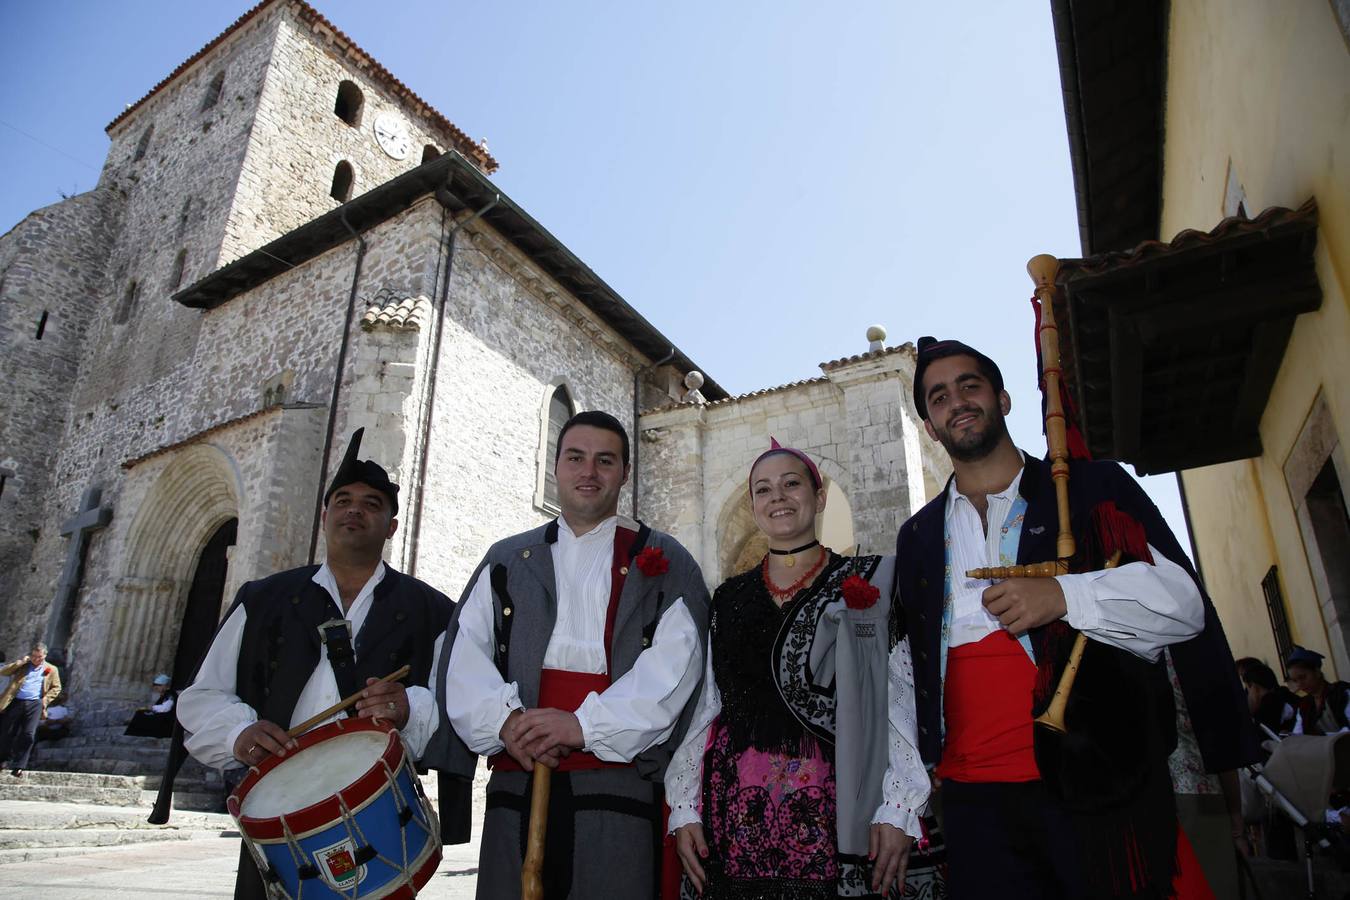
786 593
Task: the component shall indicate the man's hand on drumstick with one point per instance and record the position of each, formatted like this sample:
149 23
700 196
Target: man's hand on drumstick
549 734
385 699
261 740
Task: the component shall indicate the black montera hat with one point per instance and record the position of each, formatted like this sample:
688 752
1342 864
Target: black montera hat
931 349
367 472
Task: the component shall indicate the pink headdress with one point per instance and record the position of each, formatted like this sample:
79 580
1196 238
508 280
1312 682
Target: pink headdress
775 447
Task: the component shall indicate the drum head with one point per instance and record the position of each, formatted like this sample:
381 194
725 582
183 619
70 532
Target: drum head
317 772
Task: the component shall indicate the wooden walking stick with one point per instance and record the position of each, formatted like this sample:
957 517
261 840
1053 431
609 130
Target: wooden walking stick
531 873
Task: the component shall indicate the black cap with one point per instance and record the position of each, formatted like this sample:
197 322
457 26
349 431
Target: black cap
367 472
930 349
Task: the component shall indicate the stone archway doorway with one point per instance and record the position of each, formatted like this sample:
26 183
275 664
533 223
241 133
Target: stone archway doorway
202 610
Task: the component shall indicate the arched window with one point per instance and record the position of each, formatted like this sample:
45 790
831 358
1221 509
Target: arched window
176 275
128 304
144 144
558 408
349 103
343 176
213 90
429 152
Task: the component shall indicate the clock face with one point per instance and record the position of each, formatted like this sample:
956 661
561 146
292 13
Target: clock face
392 135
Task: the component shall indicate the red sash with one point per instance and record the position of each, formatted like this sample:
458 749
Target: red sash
987 705
565 691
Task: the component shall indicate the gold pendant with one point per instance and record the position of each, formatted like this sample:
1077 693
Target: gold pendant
790 560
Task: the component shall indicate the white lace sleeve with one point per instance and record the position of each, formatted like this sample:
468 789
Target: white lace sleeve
905 790
684 775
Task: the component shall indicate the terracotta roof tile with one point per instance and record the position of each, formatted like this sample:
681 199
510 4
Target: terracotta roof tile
408 314
1268 219
870 354
309 14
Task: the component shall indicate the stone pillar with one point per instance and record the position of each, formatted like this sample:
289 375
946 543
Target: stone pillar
885 457
672 476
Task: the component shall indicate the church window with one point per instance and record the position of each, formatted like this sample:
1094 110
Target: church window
429 152
213 91
144 143
128 303
558 408
42 325
343 176
176 276
349 103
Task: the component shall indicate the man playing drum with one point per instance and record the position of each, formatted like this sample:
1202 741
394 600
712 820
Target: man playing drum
579 646
295 643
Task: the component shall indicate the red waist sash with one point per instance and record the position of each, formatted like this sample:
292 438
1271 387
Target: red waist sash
565 691
987 705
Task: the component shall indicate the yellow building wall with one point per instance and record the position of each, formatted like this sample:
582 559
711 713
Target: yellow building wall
1266 87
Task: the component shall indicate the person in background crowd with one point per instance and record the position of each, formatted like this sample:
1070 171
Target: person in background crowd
34 683
1271 703
58 721
1324 707
155 720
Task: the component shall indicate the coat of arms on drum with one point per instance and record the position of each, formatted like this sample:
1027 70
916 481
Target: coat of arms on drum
337 862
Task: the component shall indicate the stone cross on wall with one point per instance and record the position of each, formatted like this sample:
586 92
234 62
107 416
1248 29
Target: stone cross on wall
91 517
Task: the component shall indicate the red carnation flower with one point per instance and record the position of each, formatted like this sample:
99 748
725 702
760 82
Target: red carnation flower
651 561
859 593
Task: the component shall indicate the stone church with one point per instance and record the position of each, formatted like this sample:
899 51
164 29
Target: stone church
286 243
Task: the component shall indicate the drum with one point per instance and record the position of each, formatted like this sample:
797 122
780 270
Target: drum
344 816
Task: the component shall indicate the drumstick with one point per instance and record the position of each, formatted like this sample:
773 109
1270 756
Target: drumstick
343 704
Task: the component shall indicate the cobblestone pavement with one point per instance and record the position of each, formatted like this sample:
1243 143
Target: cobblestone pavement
188 869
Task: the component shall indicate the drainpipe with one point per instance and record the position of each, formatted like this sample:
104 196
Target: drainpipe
637 437
337 381
432 368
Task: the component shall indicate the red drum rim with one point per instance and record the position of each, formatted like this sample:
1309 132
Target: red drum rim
327 810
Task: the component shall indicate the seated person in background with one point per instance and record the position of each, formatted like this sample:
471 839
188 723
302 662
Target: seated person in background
1272 704
1325 706
157 719
57 723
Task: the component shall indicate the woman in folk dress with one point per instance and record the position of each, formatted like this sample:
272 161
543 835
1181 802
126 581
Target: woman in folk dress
799 776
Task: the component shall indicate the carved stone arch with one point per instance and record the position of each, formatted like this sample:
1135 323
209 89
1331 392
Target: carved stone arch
195 494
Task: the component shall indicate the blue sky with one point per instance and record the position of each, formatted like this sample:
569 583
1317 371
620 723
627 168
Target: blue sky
761 180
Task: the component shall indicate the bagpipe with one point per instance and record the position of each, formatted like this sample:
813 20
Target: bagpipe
1103 717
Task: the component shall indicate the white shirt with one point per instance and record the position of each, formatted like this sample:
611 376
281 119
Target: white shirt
213 714
1137 607
636 712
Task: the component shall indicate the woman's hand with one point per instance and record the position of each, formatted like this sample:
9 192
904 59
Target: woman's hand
690 847
888 848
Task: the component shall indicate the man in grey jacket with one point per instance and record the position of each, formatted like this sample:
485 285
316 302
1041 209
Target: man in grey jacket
578 645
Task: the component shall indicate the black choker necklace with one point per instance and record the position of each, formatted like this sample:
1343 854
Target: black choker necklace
792 554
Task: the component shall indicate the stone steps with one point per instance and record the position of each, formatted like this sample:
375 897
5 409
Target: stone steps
107 790
33 831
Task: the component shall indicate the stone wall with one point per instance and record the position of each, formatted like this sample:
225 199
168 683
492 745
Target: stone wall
289 331
297 140
856 422
510 335
50 279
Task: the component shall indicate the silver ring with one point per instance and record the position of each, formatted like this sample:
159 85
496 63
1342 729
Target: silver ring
251 749
391 706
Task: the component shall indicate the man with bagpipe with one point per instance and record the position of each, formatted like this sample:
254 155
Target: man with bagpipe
1080 803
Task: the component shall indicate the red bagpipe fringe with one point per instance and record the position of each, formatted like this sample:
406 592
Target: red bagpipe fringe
1189 883
1078 448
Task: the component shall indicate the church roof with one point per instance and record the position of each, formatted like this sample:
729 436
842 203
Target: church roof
459 186
377 72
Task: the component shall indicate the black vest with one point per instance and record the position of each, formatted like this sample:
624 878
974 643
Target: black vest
280 645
